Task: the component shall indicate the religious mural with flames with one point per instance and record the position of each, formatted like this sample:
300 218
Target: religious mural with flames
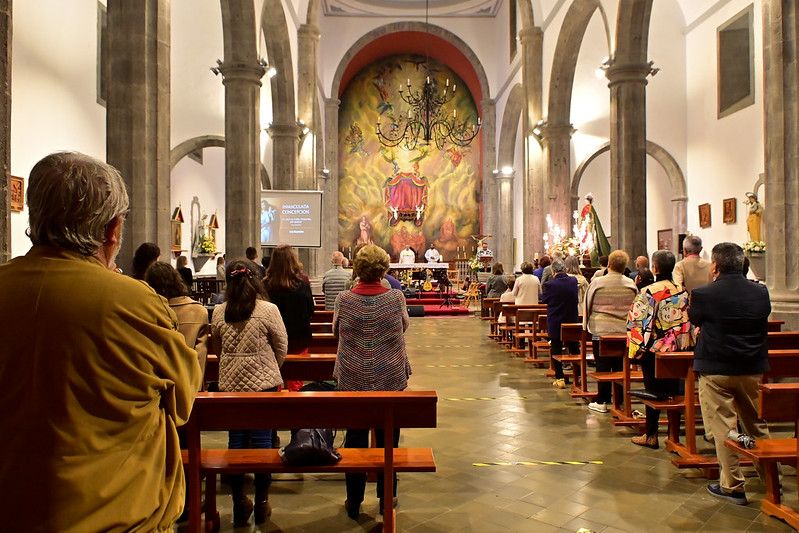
393 197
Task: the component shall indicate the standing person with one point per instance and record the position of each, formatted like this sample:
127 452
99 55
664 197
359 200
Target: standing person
252 256
334 280
145 255
496 283
248 334
220 268
573 269
184 271
603 268
546 275
658 322
692 271
527 288
731 356
544 262
561 294
432 255
370 321
192 315
645 278
607 304
407 256
288 288
94 376
641 263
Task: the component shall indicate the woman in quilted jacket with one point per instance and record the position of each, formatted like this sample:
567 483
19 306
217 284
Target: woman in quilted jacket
250 338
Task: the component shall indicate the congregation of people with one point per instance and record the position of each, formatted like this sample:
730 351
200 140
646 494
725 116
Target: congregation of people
664 305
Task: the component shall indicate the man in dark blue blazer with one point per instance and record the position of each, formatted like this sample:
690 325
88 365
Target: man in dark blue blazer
730 357
561 296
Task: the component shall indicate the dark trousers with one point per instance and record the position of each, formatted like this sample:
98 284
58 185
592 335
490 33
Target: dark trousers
356 483
612 364
661 387
556 348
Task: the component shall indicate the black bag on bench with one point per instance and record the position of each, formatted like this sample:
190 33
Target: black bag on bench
310 447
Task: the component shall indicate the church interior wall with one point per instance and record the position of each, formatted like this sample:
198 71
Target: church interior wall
518 197
724 156
199 189
53 90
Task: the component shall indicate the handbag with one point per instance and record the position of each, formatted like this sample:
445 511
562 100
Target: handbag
310 447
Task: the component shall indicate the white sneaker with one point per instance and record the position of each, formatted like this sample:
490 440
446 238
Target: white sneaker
598 407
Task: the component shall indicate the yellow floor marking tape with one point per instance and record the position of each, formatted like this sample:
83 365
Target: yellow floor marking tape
537 463
485 398
458 366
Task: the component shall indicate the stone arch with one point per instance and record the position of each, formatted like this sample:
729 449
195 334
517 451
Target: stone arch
312 16
207 141
411 26
570 42
632 32
278 53
679 189
514 108
527 13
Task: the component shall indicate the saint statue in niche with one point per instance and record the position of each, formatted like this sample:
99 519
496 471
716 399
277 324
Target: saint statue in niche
755 217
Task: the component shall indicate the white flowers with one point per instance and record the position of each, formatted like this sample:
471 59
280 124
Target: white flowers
755 247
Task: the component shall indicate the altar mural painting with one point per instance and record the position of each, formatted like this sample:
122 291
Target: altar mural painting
393 197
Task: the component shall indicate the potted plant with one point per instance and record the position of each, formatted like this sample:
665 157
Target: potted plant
756 252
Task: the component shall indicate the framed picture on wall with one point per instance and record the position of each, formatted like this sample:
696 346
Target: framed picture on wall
736 64
730 210
704 216
16 188
665 237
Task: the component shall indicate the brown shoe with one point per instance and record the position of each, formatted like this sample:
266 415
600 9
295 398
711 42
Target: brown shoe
242 509
646 441
262 511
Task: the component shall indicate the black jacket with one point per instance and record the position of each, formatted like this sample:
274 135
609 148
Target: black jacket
732 313
296 308
561 296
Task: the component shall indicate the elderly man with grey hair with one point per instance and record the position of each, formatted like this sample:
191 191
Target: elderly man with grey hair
94 375
692 271
335 280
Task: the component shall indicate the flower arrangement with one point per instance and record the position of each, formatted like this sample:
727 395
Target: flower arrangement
755 247
207 245
555 240
475 264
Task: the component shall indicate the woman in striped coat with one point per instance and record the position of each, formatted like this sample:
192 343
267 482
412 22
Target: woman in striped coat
370 321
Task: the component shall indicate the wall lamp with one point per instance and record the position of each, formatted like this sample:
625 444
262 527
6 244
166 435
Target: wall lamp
271 72
217 70
304 129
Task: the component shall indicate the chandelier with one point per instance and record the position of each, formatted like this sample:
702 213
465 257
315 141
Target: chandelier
428 119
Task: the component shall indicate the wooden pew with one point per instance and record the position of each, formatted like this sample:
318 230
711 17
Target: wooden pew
321 327
575 333
775 325
679 365
487 308
314 367
779 402
323 343
532 334
782 340
322 316
358 410
621 404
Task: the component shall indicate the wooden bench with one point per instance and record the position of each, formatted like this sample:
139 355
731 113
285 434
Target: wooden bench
322 316
321 327
323 343
313 367
779 402
679 365
575 333
358 410
775 325
530 332
621 404
782 340
487 308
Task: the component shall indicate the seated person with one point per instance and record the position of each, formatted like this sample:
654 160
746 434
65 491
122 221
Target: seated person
507 297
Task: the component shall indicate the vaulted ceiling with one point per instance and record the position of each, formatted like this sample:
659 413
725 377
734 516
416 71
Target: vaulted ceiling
411 8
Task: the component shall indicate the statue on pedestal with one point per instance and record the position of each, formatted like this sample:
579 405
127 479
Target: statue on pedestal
755 217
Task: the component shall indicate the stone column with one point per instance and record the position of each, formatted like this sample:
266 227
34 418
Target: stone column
627 84
137 118
781 90
488 135
533 224
504 235
285 141
330 186
242 156
5 129
307 173
679 215
556 155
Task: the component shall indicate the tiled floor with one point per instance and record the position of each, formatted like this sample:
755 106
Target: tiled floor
635 489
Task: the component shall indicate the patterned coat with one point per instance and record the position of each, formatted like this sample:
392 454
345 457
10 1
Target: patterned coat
251 352
371 341
658 320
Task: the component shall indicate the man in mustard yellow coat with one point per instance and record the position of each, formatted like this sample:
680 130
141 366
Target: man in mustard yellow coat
94 376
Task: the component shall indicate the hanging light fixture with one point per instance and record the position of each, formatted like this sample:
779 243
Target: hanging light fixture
428 119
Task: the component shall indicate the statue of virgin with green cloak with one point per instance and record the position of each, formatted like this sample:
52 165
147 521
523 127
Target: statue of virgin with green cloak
590 233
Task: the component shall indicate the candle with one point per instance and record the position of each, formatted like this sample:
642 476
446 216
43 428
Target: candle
428 80
447 82
409 82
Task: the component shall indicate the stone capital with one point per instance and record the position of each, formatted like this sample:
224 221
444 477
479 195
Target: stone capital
531 35
251 72
548 131
504 178
487 103
276 131
309 31
332 103
629 73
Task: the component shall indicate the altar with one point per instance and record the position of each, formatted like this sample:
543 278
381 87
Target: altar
418 266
